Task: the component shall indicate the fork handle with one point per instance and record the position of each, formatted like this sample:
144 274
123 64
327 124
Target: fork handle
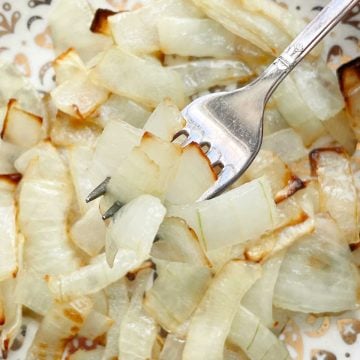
305 42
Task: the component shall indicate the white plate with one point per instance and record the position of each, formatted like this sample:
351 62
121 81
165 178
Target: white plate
25 40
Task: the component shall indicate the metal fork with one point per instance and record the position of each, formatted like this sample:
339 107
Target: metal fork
232 122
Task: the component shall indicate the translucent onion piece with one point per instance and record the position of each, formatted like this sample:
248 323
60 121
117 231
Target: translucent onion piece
259 299
79 160
319 88
273 120
118 108
118 298
317 274
176 293
138 330
211 323
70 28
95 325
67 131
173 348
270 165
44 201
134 227
237 216
255 339
339 128
88 233
348 75
33 292
193 177
20 127
136 31
165 121
10 316
68 65
8 154
201 38
78 96
259 27
138 79
296 112
115 143
95 354
200 75
177 242
94 277
8 230
60 324
13 85
338 194
287 144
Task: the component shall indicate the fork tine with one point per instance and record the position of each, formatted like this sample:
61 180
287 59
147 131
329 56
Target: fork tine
214 156
226 177
98 191
116 206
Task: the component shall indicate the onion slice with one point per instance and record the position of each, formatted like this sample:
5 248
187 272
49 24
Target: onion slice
211 323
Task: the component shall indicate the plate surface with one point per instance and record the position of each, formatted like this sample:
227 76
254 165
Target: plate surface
25 40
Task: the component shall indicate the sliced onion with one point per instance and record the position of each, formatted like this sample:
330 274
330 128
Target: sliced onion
348 75
237 216
78 96
136 31
317 274
287 144
134 227
94 354
8 154
20 127
119 108
200 75
176 293
11 315
177 242
95 325
70 28
201 38
68 65
138 330
138 79
79 160
13 85
165 121
270 165
259 299
255 339
33 292
211 323
173 348
251 24
8 229
338 194
88 233
115 143
193 177
118 298
61 323
44 201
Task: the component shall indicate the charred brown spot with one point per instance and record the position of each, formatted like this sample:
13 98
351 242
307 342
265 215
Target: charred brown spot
12 179
2 319
73 315
100 23
63 55
294 185
47 277
315 155
317 263
146 265
74 330
349 75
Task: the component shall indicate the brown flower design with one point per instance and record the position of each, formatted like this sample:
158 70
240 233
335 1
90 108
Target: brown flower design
349 330
7 25
323 355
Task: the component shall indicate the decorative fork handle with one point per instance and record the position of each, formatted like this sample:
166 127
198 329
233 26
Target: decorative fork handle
305 42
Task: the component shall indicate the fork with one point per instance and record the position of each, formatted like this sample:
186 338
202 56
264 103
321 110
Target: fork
231 123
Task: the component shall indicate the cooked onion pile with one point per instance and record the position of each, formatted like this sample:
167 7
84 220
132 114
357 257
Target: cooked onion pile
168 277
